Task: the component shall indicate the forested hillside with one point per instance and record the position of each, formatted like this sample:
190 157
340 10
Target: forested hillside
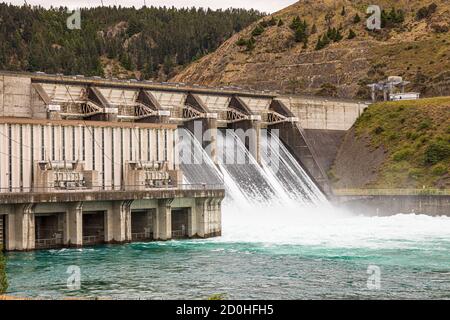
113 41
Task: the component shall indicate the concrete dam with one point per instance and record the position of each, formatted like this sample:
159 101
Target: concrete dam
90 160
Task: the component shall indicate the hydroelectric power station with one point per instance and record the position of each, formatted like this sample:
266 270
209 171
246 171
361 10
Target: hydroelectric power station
90 160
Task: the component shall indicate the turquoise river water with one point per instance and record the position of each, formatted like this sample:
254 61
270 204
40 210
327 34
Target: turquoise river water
307 253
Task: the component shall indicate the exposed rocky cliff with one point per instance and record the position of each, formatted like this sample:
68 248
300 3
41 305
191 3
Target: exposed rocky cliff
335 55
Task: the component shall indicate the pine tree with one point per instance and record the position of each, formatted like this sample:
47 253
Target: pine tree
259 29
356 19
351 34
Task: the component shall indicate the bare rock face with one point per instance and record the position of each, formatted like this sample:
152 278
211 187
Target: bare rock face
412 48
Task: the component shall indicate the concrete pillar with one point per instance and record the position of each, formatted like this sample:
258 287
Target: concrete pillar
162 224
24 227
121 219
109 223
192 222
10 232
73 235
208 217
202 216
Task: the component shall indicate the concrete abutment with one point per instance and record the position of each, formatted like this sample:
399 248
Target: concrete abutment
76 224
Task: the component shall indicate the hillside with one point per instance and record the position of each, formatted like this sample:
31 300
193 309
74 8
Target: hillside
146 43
397 145
329 51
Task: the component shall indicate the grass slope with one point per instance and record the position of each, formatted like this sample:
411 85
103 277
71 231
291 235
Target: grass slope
416 135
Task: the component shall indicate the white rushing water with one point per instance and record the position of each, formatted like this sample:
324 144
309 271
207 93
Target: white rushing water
279 204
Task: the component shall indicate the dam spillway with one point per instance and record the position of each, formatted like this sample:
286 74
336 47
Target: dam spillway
278 181
78 152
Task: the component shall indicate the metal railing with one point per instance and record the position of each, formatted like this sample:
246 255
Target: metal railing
48 243
178 233
141 236
92 239
391 192
125 188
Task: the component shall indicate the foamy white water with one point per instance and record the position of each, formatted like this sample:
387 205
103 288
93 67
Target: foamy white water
276 205
329 227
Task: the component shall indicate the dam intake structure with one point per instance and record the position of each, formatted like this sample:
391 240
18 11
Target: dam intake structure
85 161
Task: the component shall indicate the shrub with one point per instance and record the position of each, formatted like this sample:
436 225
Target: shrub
439 170
402 154
272 22
425 124
241 42
378 130
437 151
415 173
356 19
393 136
327 90
280 23
3 279
426 12
251 43
258 30
351 34
415 135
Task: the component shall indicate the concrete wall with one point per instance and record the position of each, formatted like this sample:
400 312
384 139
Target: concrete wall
324 114
15 96
24 144
326 144
391 205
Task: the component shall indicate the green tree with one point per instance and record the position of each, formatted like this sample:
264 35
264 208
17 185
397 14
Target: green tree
351 34
272 22
37 39
258 30
356 19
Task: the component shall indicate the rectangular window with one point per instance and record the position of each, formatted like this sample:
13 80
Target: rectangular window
121 158
53 143
63 138
103 158
42 143
140 144
21 156
32 154
73 143
157 145
112 157
10 158
83 143
148 145
131 144
93 148
165 145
